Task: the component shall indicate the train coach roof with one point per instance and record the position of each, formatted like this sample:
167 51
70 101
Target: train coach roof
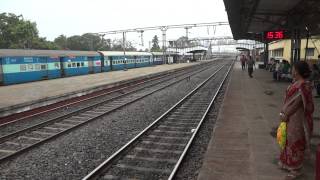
25 52
120 53
157 53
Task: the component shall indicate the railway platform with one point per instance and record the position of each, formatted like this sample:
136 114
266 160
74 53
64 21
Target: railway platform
21 97
243 145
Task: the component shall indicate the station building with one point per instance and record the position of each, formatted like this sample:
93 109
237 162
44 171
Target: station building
282 50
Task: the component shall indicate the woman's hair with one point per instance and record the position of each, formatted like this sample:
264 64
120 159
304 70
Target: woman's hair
302 68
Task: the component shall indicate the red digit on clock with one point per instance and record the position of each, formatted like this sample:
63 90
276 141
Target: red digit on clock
270 35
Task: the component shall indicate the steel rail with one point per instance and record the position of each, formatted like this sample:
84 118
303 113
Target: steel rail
92 97
198 127
87 108
97 171
40 125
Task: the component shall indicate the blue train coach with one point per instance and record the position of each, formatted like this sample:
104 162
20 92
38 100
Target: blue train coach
19 66
117 61
157 58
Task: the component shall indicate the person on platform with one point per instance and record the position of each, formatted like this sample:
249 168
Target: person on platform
250 64
297 111
276 71
243 62
315 78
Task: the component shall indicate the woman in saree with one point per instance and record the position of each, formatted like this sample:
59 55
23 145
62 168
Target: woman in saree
297 112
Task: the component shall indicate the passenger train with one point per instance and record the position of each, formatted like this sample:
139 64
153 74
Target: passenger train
20 66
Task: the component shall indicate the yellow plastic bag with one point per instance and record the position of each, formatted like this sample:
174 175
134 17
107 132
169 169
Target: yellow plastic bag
282 134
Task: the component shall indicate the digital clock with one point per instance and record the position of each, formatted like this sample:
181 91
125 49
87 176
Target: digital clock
274 35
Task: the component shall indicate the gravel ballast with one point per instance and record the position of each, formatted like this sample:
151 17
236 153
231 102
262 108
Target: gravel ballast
19 125
73 155
190 167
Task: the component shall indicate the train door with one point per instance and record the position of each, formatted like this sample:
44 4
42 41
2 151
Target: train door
90 65
1 72
62 69
135 61
102 63
46 74
110 62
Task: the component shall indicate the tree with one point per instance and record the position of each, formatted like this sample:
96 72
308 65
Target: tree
61 41
85 42
75 43
15 32
117 45
155 44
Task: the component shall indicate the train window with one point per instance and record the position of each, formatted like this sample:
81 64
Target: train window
43 67
78 64
73 64
30 67
82 64
57 65
37 67
69 65
23 67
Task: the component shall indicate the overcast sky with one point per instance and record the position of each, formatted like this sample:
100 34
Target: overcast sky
75 17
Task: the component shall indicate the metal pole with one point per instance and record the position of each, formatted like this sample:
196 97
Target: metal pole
297 45
164 31
124 50
266 53
306 50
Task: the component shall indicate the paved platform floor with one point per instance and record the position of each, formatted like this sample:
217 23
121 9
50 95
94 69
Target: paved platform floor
242 146
29 92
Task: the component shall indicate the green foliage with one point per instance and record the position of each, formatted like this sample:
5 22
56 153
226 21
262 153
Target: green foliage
155 44
183 42
61 42
15 32
117 45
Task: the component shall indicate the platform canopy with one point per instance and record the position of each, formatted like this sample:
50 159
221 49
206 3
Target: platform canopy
249 18
197 49
242 49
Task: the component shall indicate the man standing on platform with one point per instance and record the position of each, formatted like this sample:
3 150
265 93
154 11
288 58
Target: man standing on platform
250 64
243 62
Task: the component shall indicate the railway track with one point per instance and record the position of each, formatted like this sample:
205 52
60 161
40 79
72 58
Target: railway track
74 105
8 120
157 151
23 140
